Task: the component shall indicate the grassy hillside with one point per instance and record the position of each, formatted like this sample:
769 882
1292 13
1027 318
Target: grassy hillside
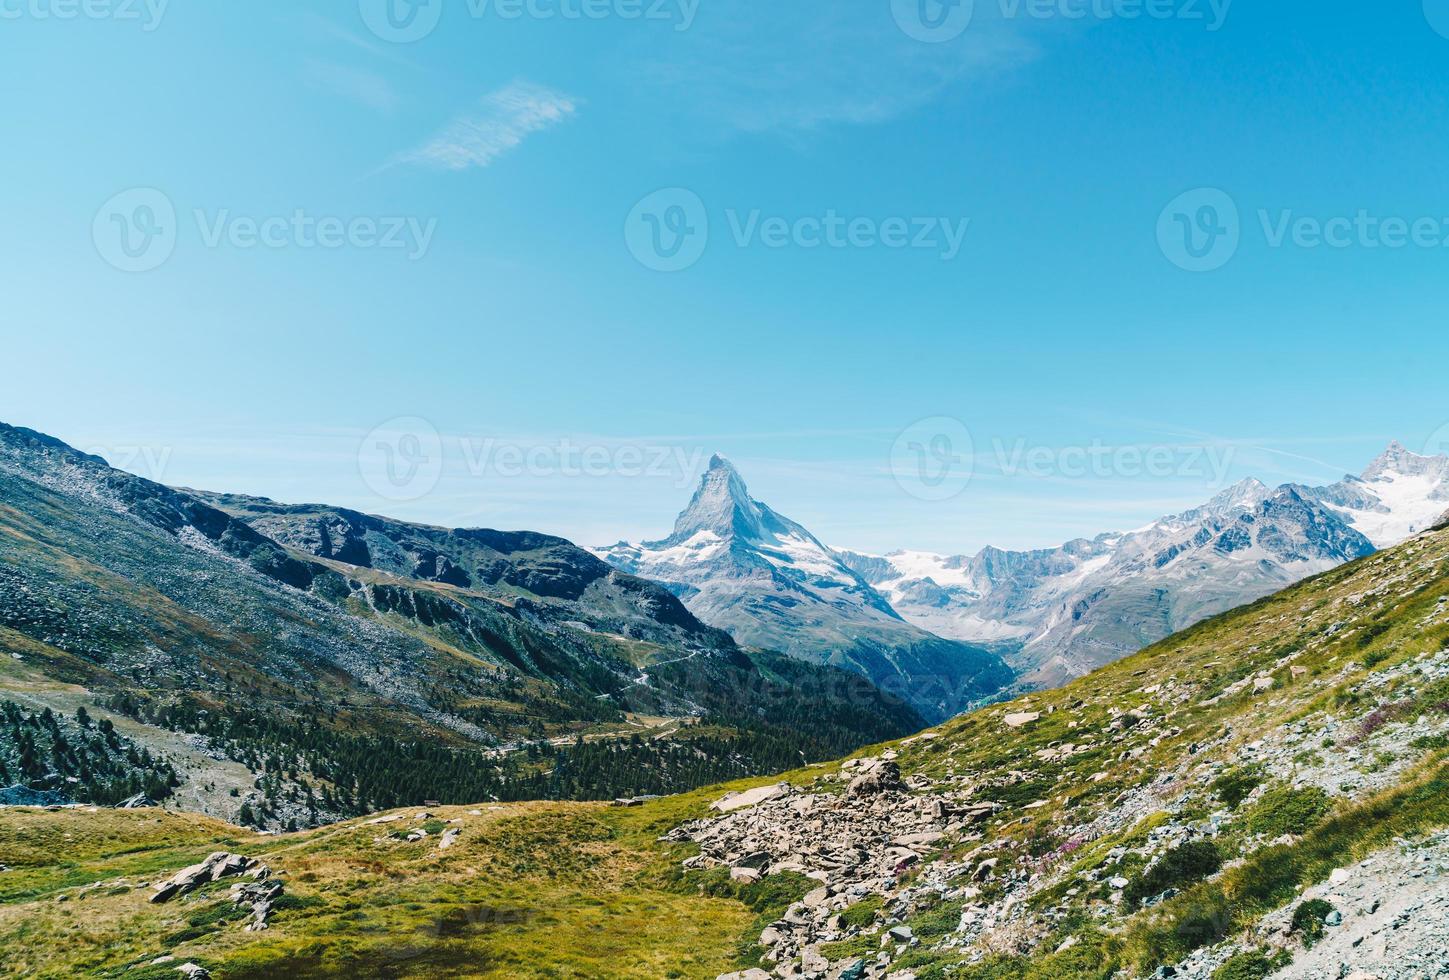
1183 807
529 889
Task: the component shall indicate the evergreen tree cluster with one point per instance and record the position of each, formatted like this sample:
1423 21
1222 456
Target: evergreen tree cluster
315 767
82 759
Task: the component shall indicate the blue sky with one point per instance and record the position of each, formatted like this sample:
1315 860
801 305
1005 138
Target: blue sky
458 230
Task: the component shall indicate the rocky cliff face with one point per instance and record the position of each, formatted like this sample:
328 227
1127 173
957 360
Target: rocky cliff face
550 578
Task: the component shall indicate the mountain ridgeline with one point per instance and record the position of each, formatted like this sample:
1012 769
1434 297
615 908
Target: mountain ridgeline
292 665
1061 613
767 580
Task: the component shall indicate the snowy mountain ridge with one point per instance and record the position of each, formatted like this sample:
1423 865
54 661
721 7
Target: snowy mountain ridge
1067 610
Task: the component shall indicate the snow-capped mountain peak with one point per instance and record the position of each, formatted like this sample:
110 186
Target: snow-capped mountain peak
1247 494
745 568
721 506
1244 496
1399 494
1396 460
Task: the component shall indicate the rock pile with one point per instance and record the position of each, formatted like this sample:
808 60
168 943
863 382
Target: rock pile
217 866
856 845
259 896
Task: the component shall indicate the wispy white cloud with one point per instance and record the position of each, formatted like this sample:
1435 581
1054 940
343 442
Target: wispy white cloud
359 86
508 117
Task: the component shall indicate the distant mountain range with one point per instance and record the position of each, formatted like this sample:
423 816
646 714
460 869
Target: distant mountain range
1060 613
306 662
320 662
741 566
915 618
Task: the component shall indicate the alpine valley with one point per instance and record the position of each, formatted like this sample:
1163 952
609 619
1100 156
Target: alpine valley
1264 794
284 666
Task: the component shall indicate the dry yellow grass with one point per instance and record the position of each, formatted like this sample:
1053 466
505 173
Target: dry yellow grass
546 890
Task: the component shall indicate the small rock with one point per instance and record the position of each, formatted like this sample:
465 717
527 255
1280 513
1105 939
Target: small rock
884 776
811 960
752 797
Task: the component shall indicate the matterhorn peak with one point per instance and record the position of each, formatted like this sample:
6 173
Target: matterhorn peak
721 505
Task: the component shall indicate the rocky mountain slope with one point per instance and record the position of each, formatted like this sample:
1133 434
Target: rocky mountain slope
351 662
1265 794
1059 613
548 580
767 580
